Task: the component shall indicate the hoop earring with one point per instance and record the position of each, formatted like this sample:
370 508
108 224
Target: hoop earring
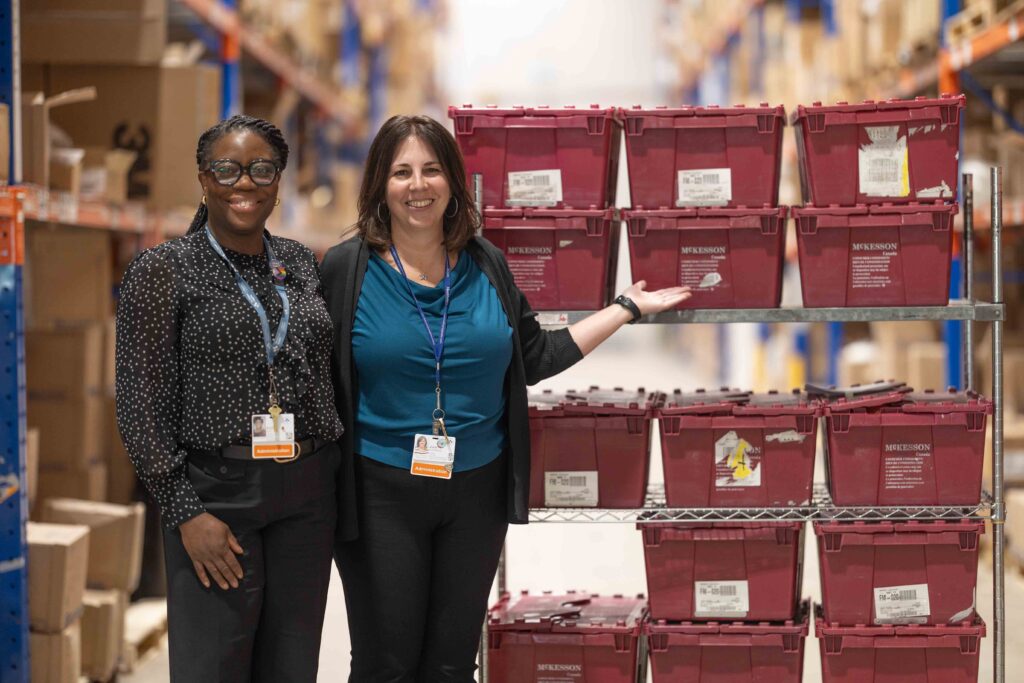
379 217
204 200
277 202
456 212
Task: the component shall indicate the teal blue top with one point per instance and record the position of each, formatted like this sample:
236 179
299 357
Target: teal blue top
395 365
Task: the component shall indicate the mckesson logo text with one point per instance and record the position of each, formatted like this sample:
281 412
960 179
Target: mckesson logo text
875 246
568 668
908 448
702 250
529 250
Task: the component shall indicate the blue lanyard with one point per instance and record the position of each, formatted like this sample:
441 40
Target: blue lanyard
272 346
436 344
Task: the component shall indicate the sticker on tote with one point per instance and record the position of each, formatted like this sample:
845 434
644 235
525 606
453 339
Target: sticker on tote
570 489
788 436
883 165
902 604
721 599
704 187
737 462
710 280
534 188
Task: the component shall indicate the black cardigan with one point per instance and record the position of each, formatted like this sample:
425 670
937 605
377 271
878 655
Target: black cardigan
536 355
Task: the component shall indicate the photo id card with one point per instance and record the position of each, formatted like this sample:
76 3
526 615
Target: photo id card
433 456
268 442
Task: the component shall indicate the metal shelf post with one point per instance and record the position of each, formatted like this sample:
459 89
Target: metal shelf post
14 642
998 509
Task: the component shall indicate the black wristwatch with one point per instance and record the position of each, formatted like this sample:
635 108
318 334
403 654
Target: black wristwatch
630 306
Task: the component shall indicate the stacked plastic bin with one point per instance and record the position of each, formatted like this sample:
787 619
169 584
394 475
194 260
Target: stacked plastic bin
590 448
549 179
879 183
704 188
899 597
725 596
570 637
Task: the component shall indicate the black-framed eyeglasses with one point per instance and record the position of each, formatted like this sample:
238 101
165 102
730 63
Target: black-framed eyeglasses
261 172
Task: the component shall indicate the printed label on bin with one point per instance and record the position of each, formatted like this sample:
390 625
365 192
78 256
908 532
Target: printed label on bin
871 264
570 489
906 466
704 187
721 599
883 164
535 188
557 672
737 462
699 264
902 604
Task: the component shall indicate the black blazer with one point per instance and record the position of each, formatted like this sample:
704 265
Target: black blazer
536 355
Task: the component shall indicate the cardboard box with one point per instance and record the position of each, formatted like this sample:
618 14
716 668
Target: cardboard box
71 431
157 112
926 366
893 339
102 632
56 657
122 481
66 362
82 483
5 144
58 557
67 276
66 169
31 465
115 556
36 111
94 31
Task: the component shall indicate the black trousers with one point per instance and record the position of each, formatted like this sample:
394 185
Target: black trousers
418 577
268 629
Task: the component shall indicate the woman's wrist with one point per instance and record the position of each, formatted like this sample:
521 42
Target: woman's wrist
630 307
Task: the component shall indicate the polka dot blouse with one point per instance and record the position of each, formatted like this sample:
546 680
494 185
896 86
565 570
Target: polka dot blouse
191 361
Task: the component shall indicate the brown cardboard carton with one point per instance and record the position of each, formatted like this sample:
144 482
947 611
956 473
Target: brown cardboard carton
86 483
66 169
71 431
102 632
67 276
115 556
926 365
893 339
92 37
56 657
5 144
36 111
31 464
58 556
66 362
109 376
151 110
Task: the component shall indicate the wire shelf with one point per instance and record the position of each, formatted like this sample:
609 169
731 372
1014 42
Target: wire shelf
820 509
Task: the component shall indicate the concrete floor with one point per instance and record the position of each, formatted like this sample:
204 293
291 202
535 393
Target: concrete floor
608 558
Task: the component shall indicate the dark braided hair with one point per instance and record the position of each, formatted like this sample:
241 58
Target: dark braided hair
265 129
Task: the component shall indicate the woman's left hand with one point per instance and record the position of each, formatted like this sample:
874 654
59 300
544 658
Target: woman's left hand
658 300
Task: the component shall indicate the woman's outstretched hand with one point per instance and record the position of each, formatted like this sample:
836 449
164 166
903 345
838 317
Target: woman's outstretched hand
658 300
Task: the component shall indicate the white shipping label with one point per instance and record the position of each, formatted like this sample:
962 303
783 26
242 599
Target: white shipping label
721 598
883 164
535 188
704 187
902 604
737 462
570 489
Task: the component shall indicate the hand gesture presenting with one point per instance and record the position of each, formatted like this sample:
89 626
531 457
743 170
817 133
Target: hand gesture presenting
212 547
658 300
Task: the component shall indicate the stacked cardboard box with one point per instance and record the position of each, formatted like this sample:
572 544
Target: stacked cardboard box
58 557
112 571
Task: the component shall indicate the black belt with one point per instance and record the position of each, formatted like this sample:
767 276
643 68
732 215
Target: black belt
303 448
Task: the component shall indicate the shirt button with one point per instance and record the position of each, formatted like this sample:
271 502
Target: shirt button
223 469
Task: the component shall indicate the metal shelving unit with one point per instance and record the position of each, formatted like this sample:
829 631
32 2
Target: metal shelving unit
821 508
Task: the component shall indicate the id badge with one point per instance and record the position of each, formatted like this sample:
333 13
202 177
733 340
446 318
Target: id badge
433 456
273 439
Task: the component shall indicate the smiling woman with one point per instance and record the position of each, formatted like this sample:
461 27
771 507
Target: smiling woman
225 404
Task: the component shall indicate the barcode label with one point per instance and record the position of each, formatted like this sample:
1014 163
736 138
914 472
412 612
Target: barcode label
534 188
721 599
704 187
883 163
902 604
571 489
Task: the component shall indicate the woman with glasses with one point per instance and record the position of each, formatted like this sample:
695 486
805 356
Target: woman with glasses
225 405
